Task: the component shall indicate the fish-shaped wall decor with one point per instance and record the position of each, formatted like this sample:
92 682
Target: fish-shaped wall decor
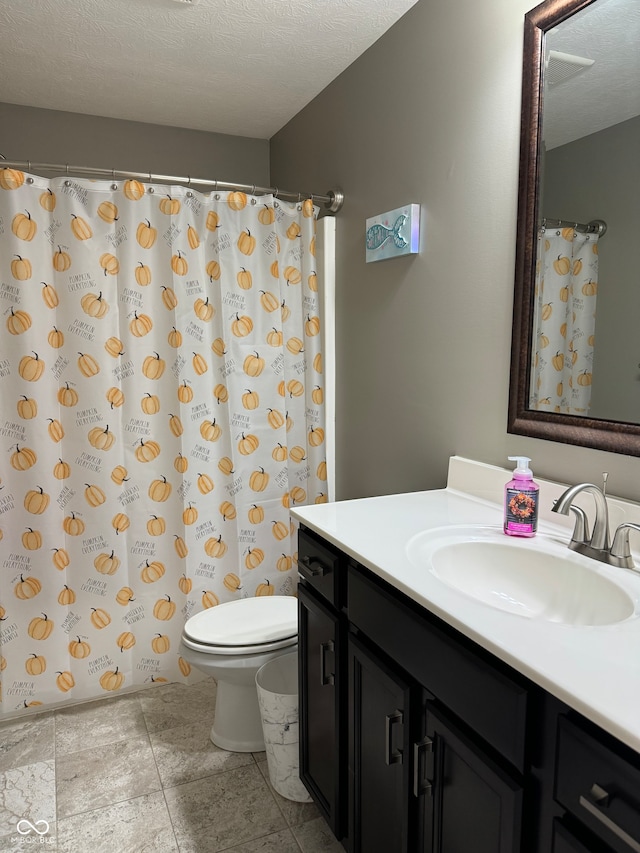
394 233
377 235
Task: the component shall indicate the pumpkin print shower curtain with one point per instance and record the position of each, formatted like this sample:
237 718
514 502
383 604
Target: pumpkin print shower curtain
161 409
564 321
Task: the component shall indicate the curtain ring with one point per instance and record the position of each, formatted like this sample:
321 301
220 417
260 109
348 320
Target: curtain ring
67 170
189 180
253 190
275 194
28 165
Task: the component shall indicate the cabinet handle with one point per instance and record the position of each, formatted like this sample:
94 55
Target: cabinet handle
597 796
311 567
422 786
391 756
324 678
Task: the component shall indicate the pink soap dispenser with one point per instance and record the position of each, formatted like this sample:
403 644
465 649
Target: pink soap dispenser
521 500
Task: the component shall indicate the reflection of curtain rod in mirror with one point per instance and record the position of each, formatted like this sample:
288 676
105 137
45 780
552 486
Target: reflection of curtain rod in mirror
596 226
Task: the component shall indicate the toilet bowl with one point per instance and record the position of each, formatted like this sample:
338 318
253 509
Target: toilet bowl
231 642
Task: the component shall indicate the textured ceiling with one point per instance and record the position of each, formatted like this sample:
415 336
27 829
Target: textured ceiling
609 91
243 67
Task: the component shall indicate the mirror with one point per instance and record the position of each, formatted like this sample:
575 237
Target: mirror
575 360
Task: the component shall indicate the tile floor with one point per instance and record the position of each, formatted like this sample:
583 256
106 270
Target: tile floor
138 773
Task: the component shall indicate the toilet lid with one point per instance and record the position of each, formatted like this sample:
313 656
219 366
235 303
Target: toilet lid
245 622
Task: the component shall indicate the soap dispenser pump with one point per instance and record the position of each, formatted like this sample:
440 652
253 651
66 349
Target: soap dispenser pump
521 500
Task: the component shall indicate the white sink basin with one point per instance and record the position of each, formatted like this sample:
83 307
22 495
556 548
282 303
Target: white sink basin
538 579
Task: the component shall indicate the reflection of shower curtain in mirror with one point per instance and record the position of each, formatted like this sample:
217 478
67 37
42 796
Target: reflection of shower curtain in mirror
564 321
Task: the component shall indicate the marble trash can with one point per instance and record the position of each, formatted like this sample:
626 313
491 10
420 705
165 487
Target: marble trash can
277 686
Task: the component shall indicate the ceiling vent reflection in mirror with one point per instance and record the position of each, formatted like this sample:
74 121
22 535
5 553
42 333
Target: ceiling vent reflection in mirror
562 66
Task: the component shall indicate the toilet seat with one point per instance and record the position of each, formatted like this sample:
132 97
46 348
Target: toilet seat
256 649
245 626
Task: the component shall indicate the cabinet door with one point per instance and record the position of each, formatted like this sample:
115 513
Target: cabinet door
565 842
379 702
475 805
319 706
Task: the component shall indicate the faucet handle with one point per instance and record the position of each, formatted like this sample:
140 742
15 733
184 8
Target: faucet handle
581 528
580 533
621 549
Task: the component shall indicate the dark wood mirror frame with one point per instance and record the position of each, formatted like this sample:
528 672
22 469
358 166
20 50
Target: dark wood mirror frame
587 432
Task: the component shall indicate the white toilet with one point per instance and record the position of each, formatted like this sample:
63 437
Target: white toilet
231 642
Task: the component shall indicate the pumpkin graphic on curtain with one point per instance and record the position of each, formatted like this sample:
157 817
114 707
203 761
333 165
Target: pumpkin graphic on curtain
161 385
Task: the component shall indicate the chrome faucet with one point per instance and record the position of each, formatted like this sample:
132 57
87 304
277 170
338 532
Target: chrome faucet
597 546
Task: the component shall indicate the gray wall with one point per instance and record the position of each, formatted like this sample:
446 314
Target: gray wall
50 136
430 114
591 178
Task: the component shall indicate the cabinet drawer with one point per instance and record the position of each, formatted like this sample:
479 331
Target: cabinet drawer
319 564
599 785
480 694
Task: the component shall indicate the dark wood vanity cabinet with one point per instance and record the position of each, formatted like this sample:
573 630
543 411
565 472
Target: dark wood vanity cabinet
416 740
420 777
321 652
416 782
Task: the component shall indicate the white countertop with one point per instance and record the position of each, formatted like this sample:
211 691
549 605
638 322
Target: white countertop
594 669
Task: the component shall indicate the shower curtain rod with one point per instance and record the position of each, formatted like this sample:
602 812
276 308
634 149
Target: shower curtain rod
333 200
596 226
